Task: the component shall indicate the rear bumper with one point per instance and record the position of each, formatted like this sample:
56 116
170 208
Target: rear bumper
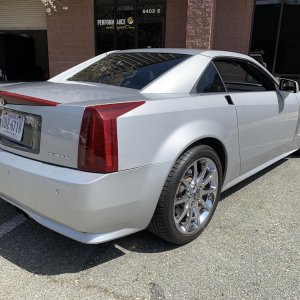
87 207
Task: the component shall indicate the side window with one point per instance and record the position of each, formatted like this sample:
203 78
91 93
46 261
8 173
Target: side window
210 81
241 76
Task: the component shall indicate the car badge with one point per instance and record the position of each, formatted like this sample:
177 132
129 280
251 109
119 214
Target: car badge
2 101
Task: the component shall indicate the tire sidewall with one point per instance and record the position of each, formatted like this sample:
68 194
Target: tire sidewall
179 170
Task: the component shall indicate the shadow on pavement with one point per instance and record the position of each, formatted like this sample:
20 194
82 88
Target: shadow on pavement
254 177
41 251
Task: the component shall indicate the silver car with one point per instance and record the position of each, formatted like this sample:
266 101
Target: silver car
142 139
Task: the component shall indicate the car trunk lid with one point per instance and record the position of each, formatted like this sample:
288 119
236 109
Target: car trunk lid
49 117
52 93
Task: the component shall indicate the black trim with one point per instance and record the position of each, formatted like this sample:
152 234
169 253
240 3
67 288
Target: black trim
253 64
229 100
194 88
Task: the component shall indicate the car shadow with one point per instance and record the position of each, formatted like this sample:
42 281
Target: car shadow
252 178
41 251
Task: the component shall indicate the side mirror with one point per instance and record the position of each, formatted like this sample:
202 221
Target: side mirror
288 85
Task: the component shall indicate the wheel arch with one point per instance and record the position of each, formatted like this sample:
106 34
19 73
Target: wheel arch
214 143
164 222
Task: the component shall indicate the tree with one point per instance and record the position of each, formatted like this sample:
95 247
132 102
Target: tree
53 6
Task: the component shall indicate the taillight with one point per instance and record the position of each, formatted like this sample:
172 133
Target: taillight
98 142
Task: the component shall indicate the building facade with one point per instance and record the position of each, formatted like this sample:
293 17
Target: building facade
91 27
23 40
276 34
45 45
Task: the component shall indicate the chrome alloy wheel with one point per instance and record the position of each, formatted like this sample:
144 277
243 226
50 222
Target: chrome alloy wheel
195 196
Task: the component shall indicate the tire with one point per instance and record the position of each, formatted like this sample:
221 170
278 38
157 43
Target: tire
196 195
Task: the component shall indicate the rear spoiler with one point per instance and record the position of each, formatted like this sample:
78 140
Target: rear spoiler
17 99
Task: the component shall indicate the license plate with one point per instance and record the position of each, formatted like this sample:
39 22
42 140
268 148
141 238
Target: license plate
12 125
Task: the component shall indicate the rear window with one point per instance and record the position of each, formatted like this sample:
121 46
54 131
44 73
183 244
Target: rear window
130 70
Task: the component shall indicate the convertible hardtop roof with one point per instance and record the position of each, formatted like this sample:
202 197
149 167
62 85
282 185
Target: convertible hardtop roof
209 53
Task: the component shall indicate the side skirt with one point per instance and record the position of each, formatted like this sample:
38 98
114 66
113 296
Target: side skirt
256 170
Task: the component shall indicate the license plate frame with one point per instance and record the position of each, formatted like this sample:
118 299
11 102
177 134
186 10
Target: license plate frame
12 125
30 141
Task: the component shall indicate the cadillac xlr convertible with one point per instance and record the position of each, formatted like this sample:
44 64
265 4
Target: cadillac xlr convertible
141 139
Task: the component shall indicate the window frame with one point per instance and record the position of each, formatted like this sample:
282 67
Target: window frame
194 89
252 64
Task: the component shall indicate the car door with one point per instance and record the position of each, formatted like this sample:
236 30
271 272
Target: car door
267 119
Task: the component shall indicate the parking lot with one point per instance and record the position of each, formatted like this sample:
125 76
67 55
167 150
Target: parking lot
250 250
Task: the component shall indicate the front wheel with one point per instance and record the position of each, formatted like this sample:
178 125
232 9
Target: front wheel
189 197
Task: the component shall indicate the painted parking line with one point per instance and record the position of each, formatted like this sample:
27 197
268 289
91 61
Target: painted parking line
12 224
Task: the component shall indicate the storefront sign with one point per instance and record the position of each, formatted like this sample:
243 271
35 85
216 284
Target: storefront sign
121 23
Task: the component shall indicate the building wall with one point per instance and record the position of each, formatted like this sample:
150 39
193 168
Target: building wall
209 24
70 35
206 24
176 18
199 28
232 25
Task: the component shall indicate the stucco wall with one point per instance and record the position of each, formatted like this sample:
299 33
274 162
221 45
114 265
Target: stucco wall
199 28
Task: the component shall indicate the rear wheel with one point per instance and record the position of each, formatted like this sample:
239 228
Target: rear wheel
189 197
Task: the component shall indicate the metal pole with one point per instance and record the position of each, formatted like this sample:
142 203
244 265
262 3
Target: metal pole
278 36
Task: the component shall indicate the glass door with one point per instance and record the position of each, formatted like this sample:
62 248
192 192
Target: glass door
129 24
126 24
150 17
105 28
276 36
287 58
150 35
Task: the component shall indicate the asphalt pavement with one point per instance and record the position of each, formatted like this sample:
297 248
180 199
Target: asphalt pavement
250 250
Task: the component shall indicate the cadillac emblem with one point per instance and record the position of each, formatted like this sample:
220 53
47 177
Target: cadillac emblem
2 101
